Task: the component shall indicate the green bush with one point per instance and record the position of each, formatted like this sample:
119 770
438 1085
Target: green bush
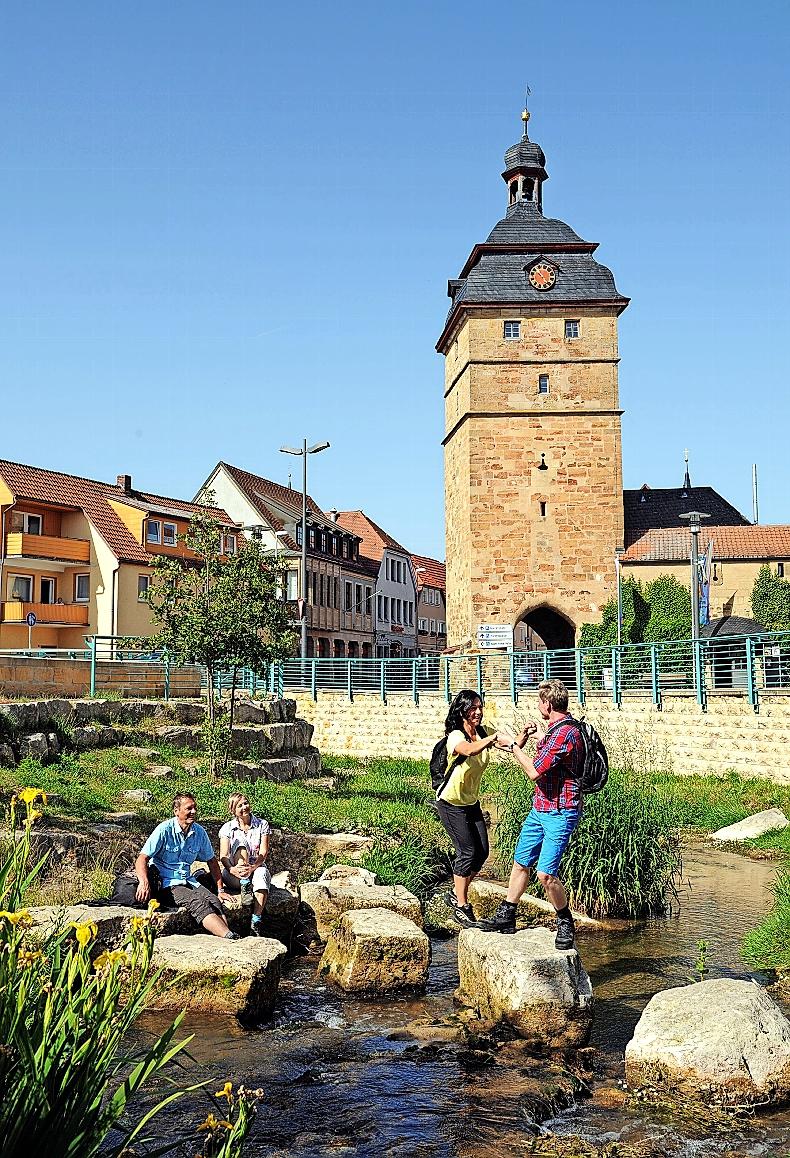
623 860
768 946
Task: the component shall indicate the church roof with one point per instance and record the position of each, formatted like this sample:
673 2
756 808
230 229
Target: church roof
649 508
525 154
524 224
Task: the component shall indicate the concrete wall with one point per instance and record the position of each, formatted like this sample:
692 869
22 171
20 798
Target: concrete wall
681 737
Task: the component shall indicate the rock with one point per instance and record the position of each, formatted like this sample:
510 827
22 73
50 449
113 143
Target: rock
93 736
53 745
139 795
158 771
376 951
524 981
20 717
92 711
122 817
54 711
179 737
7 757
429 1031
112 921
252 712
438 915
213 975
188 713
349 844
138 753
282 907
34 747
770 820
326 901
486 896
722 1041
339 872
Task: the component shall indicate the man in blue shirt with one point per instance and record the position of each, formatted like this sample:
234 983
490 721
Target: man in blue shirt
172 848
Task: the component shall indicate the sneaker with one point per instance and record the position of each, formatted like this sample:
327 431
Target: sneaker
231 936
463 915
246 891
566 932
503 920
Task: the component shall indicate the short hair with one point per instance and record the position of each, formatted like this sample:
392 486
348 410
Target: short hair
234 799
459 709
179 796
555 693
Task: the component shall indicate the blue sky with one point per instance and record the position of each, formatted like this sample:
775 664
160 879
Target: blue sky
225 227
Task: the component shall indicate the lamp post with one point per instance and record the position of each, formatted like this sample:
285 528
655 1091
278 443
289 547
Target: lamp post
695 524
304 451
618 554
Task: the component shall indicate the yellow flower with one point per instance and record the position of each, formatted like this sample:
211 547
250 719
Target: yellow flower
212 1122
85 931
153 905
21 918
107 960
36 814
30 795
28 956
225 1092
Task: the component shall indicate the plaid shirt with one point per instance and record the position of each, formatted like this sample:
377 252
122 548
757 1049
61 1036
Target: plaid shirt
558 759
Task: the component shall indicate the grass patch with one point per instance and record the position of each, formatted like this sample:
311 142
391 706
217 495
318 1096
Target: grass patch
768 946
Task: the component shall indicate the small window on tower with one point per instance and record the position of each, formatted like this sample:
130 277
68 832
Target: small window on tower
571 328
543 383
780 570
543 510
512 330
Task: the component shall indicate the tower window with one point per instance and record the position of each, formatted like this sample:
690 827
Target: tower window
543 383
572 328
512 330
780 570
543 510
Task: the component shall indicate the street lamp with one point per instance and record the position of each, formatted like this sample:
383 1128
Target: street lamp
695 525
304 451
618 555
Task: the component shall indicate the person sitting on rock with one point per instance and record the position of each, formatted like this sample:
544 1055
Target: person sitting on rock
556 810
172 848
243 848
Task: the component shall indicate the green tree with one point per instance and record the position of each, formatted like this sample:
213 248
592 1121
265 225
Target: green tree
224 612
652 612
770 600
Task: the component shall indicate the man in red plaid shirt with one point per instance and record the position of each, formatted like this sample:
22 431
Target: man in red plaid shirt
556 810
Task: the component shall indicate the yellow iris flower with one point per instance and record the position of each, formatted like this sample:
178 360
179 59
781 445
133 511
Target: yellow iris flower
21 918
84 931
225 1092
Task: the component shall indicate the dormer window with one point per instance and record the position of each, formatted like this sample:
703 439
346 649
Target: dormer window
153 531
169 534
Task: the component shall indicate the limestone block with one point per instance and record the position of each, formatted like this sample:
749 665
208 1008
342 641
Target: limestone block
34 746
376 951
54 710
112 921
523 980
217 976
326 901
721 1041
350 844
486 897
7 757
179 737
91 736
252 712
138 795
340 872
188 713
769 820
20 717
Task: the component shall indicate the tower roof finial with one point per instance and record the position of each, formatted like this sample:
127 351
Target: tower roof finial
525 113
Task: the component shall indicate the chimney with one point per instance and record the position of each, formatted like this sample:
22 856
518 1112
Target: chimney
333 514
124 481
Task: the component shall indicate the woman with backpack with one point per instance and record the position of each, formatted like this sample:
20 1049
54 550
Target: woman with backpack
467 746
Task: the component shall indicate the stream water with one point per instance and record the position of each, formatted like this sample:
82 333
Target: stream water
337 1083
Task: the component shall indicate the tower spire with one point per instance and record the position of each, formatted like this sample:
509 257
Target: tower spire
686 476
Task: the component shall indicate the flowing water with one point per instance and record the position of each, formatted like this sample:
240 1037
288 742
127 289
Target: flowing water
337 1079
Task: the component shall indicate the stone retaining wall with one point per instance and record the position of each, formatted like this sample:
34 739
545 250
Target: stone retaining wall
729 735
39 678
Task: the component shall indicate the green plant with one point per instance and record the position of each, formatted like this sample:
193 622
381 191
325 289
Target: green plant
407 864
768 946
770 600
701 964
653 612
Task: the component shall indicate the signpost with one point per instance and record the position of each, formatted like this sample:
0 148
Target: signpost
495 635
31 619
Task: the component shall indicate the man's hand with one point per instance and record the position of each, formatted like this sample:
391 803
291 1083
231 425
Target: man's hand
504 738
143 890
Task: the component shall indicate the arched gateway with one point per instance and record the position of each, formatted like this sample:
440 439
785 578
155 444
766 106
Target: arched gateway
533 477
544 627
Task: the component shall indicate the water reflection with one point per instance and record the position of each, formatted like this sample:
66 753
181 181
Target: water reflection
336 1084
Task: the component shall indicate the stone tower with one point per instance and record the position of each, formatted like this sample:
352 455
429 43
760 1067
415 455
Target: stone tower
533 474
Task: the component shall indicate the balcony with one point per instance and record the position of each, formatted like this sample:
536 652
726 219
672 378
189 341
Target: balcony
20 545
53 614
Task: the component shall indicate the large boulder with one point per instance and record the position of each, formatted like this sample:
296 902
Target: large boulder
376 951
721 1041
486 897
769 820
218 976
521 979
326 901
112 922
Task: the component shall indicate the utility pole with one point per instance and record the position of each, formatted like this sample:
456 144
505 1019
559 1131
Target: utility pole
695 525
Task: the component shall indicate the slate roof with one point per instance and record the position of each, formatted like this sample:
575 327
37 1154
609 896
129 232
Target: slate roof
374 540
433 573
92 496
525 225
746 543
649 508
525 154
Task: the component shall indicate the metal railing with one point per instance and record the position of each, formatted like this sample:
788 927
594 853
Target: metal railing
743 666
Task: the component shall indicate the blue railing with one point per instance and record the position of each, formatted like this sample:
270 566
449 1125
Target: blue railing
743 666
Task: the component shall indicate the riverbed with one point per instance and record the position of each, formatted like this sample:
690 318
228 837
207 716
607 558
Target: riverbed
338 1078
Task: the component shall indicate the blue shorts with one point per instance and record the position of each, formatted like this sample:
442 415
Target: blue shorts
544 838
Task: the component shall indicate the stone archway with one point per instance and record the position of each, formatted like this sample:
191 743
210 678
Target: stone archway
546 628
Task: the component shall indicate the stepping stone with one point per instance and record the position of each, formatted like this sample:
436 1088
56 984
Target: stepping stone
769 820
376 951
326 901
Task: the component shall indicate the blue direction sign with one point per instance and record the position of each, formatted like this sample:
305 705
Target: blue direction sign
31 619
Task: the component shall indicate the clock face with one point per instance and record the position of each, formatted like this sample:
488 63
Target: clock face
542 276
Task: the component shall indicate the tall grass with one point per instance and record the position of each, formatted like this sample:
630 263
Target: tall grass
623 860
768 946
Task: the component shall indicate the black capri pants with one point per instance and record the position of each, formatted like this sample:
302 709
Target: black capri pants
467 830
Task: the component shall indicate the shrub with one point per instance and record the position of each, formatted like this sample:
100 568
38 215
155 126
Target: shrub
768 946
624 858
407 864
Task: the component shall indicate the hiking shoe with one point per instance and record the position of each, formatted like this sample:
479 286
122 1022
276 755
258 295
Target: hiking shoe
231 936
463 915
566 931
503 920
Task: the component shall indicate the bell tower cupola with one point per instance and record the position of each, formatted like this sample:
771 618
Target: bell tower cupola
525 169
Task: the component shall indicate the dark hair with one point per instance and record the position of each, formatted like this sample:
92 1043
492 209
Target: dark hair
461 705
179 796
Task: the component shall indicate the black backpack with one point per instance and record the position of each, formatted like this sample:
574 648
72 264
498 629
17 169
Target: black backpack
441 769
595 767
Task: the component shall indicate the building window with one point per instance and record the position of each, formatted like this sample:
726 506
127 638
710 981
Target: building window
143 583
572 328
169 534
368 601
543 510
386 609
780 570
543 383
512 330
323 540
153 533
229 544
21 588
422 624
82 588
348 596
358 598
379 607
321 590
47 594
345 548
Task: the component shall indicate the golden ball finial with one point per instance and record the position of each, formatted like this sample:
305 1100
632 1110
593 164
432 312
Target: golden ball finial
525 116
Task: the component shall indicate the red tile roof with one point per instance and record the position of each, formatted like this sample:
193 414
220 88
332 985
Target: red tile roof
374 540
67 490
747 543
430 572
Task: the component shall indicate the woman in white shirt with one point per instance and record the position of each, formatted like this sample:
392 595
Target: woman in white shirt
243 848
